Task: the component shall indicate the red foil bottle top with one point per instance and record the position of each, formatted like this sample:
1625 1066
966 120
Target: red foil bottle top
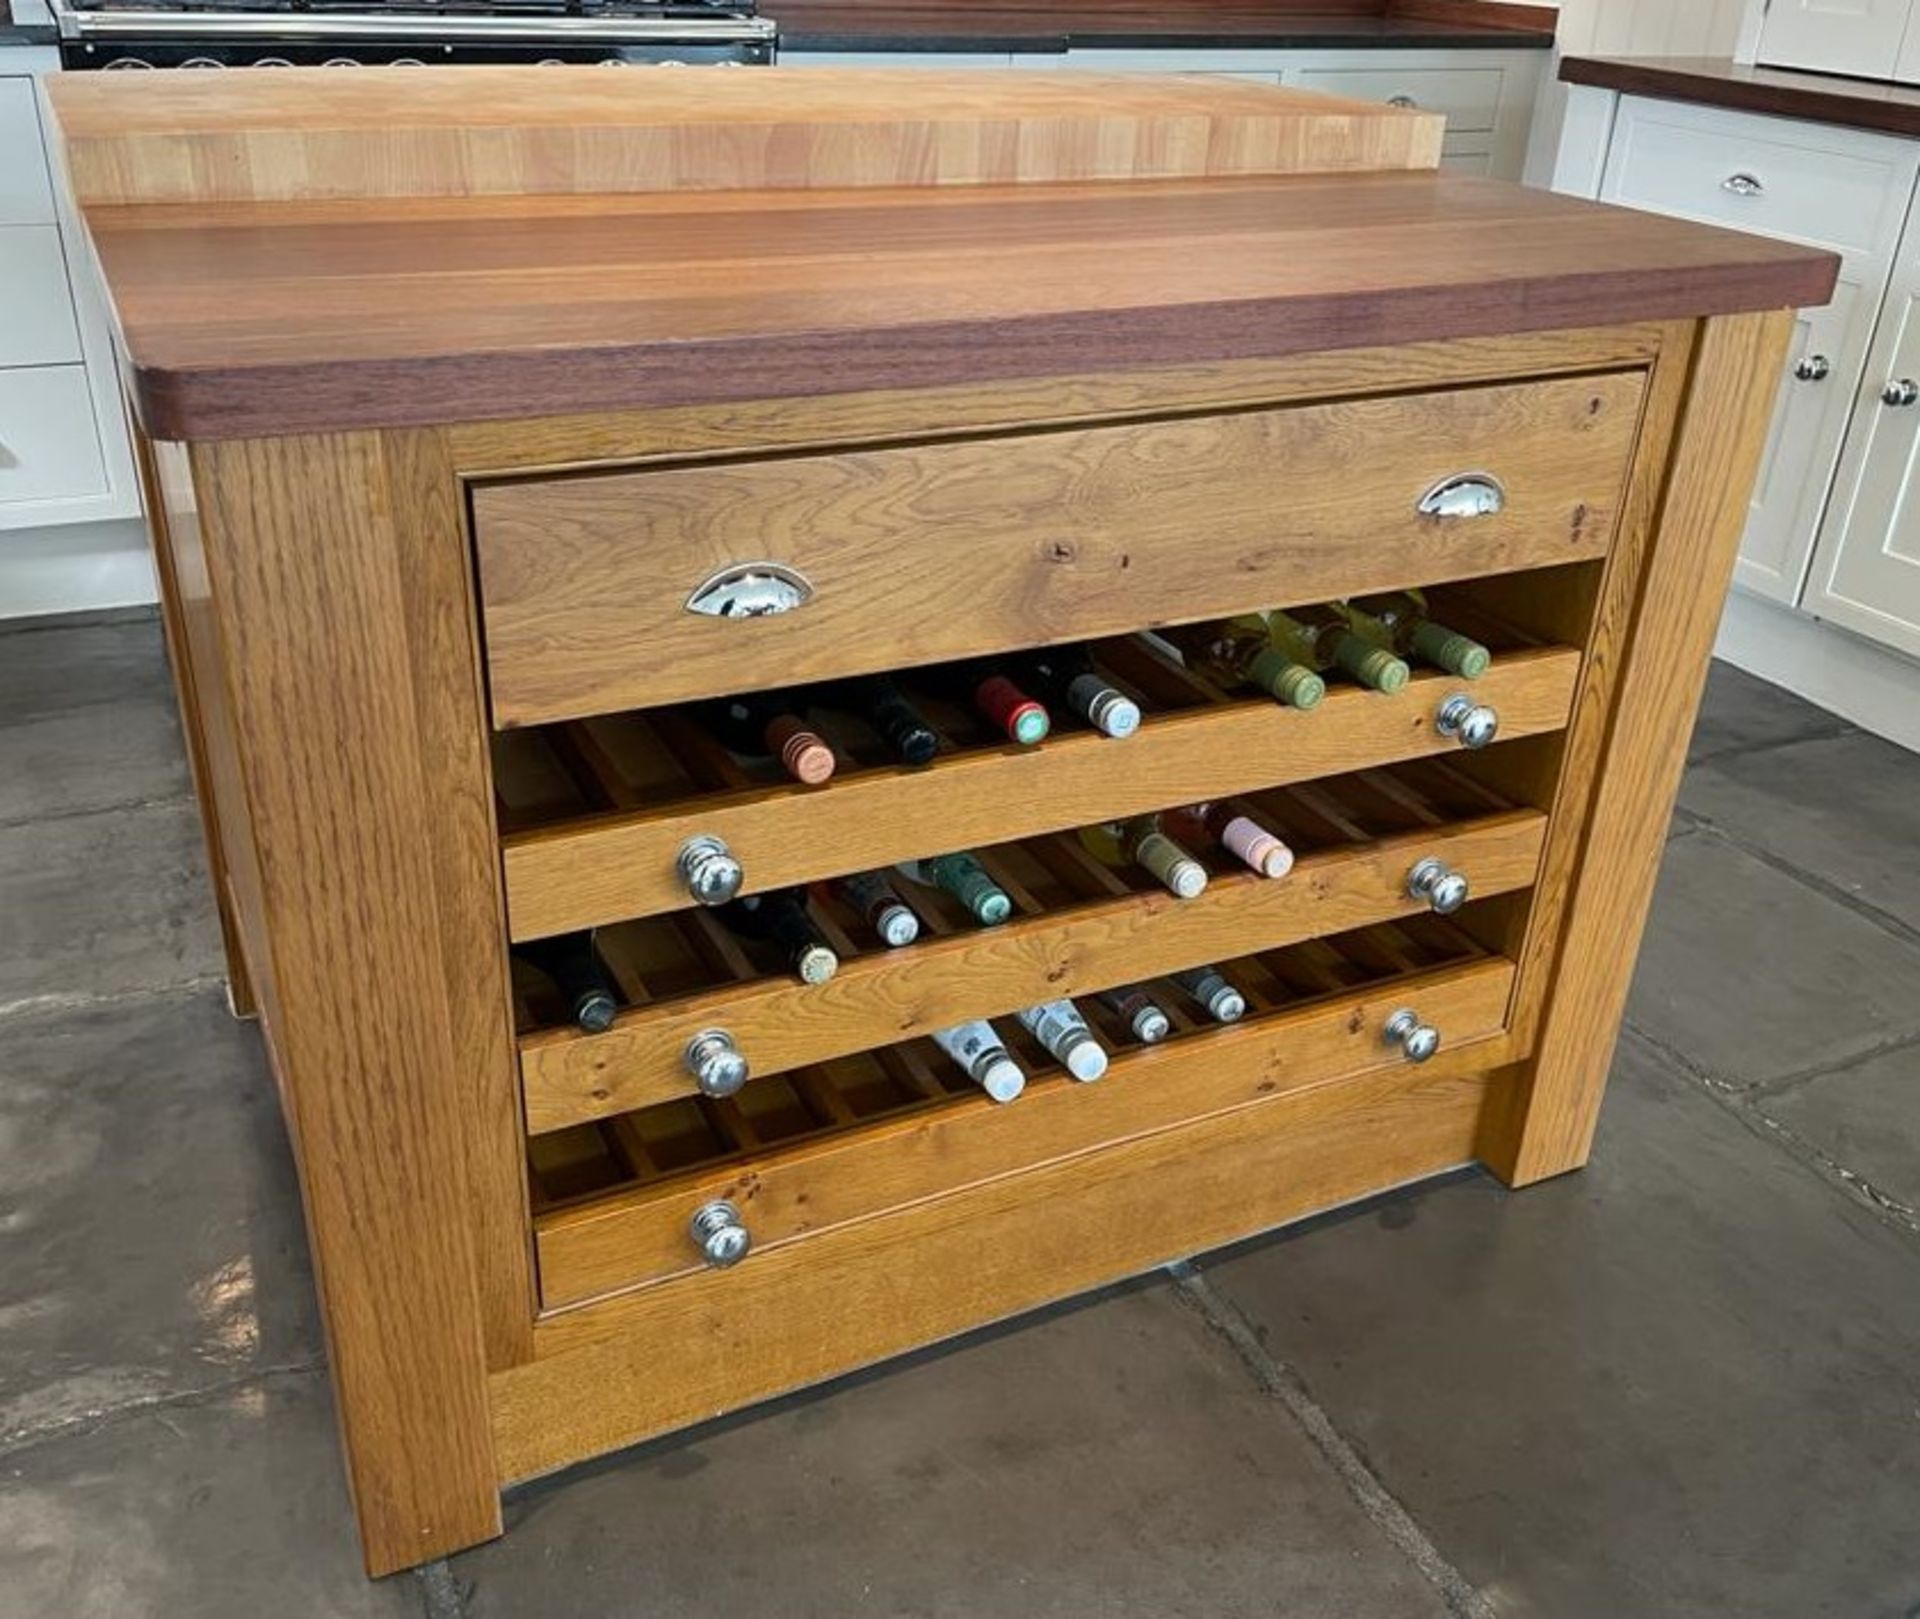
804 753
1012 710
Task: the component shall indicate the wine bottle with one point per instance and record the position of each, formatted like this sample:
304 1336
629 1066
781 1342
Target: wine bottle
759 725
780 917
1141 842
1399 620
1219 999
1143 1016
886 912
1237 652
983 1059
1240 834
1321 638
572 963
1059 1027
880 705
1064 677
997 696
966 880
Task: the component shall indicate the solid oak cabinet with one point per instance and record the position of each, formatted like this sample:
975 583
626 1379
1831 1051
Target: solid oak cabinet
482 453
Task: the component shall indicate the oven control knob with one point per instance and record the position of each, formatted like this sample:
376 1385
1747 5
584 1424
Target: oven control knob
120 64
201 62
1443 888
1417 1041
272 61
341 61
708 868
719 1233
1471 724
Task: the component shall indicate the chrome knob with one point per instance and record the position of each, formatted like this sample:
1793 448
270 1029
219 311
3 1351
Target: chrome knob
1812 368
1402 101
1443 888
719 1233
1417 1041
1471 724
1900 393
715 1063
1743 185
707 867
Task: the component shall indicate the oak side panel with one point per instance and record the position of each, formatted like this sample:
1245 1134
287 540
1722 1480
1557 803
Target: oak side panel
849 1297
334 636
1544 1122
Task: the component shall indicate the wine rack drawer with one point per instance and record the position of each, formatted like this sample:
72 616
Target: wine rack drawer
894 1129
609 591
1087 944
567 868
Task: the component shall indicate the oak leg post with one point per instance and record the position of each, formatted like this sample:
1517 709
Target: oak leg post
337 576
1542 1123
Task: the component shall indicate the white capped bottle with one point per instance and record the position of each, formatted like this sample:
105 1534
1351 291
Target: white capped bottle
886 912
1220 1000
1141 1013
1059 1027
1141 842
983 1059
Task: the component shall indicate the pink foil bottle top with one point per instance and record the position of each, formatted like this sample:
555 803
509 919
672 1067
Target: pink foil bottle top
1258 847
804 753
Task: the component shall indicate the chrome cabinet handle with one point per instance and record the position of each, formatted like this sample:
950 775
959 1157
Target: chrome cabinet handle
1812 368
1743 185
719 1233
1444 889
1902 392
751 590
709 870
1471 724
1417 1041
1402 101
1465 494
715 1062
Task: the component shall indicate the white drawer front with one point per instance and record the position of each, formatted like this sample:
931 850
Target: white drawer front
36 307
49 443
1839 188
1470 97
26 196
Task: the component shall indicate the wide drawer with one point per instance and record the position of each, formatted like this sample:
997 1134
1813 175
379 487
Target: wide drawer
1469 98
915 553
36 315
26 194
633 1237
1840 188
49 442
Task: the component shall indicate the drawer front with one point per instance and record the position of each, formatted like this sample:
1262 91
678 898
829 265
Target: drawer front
1838 188
780 1025
26 194
1469 98
49 442
920 553
641 1237
36 311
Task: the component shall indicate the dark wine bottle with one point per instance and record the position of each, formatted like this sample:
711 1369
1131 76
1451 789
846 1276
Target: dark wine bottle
996 695
1063 677
762 725
573 964
884 709
781 918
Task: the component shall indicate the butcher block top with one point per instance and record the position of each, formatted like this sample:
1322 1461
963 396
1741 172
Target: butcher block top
1091 229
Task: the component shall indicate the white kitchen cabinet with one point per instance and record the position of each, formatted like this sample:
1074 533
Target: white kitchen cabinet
26 190
1860 38
50 450
1844 189
36 315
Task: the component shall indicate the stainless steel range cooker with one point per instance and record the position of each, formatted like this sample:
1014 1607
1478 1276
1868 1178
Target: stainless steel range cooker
135 34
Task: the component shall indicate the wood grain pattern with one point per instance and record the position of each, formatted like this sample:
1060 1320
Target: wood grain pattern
849 1298
1716 81
640 1236
780 1024
276 318
1045 538
609 868
312 134
1549 1119
335 656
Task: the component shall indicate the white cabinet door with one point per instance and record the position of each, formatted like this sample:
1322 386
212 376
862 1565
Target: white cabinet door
1866 570
26 195
49 445
36 305
1860 37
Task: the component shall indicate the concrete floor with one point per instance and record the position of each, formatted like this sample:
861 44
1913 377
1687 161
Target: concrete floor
1682 1383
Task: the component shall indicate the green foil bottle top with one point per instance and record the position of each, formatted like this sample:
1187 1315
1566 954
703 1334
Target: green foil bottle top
1371 665
1292 683
1449 650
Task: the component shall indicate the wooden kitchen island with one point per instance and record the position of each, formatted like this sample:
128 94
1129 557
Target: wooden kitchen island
495 420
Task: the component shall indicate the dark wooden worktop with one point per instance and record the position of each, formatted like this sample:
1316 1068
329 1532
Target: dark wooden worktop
269 318
1716 81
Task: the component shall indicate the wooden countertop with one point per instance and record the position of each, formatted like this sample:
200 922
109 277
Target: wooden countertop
1717 81
282 317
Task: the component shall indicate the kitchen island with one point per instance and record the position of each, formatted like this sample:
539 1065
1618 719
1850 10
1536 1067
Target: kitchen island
541 469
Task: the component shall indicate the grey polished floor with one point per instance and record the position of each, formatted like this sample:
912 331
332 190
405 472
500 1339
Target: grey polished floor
1685 1382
